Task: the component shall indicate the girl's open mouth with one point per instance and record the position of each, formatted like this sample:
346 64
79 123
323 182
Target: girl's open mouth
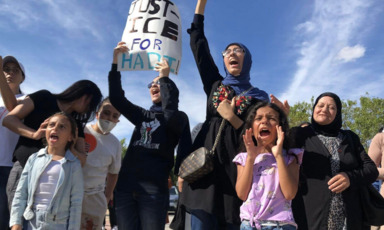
53 138
264 133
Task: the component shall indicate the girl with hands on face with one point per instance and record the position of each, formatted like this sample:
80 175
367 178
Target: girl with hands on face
267 170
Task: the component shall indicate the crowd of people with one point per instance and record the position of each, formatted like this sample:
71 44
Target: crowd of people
59 171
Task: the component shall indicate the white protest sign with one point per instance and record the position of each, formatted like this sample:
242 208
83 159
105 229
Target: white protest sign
152 32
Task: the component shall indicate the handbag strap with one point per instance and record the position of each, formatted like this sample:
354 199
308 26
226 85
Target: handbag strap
222 124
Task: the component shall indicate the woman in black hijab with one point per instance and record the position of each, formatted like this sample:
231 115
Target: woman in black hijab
335 167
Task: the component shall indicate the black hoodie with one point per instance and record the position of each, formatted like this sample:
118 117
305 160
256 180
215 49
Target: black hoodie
150 154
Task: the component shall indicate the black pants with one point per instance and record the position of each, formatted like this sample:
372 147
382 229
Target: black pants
112 215
4 212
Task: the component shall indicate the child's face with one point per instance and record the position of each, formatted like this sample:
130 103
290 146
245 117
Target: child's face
59 131
109 113
264 126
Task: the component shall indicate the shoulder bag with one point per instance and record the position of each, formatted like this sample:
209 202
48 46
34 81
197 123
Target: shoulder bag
200 162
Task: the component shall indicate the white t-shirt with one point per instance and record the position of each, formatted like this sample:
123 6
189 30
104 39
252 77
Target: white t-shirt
104 156
47 185
8 139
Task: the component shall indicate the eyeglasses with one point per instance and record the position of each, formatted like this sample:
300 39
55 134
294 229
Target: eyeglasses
153 83
14 70
236 50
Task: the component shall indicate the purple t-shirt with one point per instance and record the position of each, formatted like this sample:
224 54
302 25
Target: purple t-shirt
266 201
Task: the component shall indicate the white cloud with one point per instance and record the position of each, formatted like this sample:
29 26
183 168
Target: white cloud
322 39
348 54
74 18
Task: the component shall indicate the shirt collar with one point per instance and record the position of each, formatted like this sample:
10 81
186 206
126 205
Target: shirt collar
68 155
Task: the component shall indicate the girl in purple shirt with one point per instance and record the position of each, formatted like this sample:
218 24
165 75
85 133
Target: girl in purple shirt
267 174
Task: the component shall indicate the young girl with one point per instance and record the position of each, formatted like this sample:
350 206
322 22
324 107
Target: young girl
50 192
28 119
267 176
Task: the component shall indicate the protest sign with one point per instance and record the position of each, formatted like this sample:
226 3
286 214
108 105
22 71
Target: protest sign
152 32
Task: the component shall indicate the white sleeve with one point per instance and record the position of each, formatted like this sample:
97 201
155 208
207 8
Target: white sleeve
114 167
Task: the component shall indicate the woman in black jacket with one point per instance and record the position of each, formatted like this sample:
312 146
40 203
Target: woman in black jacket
142 194
335 167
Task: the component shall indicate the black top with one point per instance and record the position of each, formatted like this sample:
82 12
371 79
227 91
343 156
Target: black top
45 105
312 202
215 193
150 154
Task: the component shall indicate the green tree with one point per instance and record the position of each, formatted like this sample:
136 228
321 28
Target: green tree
363 117
300 112
124 148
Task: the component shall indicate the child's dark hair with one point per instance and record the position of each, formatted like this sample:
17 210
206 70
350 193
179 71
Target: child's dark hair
73 123
76 91
105 100
283 122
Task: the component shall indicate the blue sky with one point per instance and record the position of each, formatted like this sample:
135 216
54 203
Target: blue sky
300 48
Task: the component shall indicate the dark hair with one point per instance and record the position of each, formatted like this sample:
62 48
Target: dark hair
76 91
73 128
105 100
283 122
381 129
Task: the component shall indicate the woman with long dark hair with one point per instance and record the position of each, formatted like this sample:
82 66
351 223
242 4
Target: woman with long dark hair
80 100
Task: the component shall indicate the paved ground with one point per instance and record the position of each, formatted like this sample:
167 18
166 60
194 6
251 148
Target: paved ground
108 226
170 220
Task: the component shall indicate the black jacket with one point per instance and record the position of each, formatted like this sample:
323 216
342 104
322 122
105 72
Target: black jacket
312 202
150 154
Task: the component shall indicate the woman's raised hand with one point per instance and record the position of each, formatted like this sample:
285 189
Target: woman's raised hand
120 48
285 107
200 7
277 150
41 131
163 69
252 150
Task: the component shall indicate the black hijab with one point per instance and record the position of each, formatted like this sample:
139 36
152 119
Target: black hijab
156 108
332 129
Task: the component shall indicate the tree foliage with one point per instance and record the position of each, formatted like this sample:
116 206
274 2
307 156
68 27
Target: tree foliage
124 148
363 117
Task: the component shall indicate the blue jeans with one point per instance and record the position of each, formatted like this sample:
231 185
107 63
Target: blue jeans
245 225
136 211
4 212
201 220
38 222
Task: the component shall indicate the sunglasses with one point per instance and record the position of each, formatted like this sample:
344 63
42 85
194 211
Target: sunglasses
153 83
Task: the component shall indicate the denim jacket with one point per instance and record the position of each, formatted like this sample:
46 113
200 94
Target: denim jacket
65 207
